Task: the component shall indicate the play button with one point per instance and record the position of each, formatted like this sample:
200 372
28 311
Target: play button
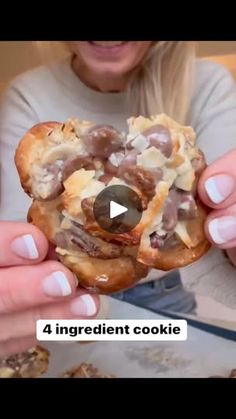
117 209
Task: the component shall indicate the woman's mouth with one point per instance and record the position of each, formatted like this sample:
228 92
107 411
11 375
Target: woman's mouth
111 50
107 44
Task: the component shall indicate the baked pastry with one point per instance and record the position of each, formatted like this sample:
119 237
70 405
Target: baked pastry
28 364
63 167
86 370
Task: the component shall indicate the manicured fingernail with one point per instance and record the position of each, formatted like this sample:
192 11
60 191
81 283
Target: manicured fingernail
219 187
57 285
83 306
25 247
222 229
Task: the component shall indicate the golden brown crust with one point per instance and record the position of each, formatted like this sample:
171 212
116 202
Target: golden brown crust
179 255
27 150
100 275
106 276
46 217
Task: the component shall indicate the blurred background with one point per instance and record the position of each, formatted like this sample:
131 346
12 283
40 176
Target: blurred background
17 56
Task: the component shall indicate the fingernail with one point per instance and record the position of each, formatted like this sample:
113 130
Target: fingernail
219 187
222 229
83 306
25 247
57 285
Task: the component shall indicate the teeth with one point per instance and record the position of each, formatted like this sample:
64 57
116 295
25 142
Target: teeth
107 43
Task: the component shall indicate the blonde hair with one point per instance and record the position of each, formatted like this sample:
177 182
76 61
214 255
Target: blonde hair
163 82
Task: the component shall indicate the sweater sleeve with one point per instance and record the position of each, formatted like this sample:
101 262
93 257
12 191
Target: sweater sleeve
16 117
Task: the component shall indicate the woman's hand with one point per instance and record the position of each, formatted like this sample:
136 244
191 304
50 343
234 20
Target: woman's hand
32 289
217 189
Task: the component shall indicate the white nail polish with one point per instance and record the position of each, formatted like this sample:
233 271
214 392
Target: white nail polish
213 228
25 247
83 305
219 187
89 303
212 191
31 246
57 285
223 229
